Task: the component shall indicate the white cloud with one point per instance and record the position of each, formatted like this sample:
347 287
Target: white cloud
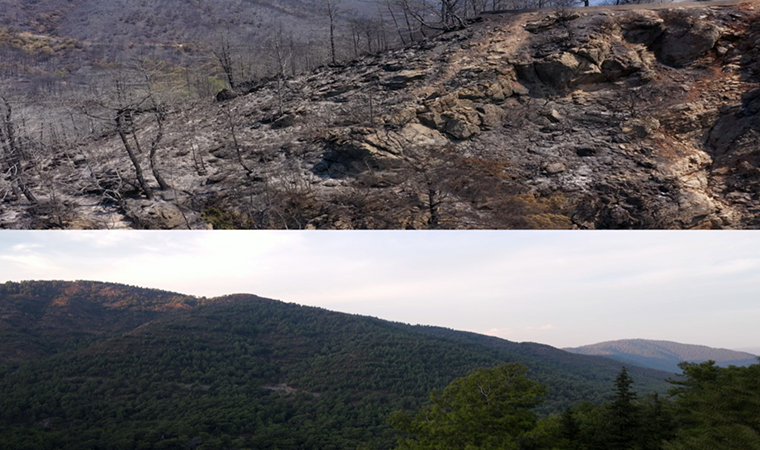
504 333
101 239
27 262
25 247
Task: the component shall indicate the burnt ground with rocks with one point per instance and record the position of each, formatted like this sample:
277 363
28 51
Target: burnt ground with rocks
572 118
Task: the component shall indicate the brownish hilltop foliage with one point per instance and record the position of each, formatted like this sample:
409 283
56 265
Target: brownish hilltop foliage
41 318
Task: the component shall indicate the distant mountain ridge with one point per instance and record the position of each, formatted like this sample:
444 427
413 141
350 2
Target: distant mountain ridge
750 350
663 355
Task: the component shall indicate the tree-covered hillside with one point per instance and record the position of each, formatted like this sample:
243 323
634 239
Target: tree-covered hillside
246 372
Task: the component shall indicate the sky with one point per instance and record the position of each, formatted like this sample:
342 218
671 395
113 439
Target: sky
564 289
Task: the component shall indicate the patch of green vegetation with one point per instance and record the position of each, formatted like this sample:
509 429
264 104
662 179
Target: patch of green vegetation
216 84
711 408
225 219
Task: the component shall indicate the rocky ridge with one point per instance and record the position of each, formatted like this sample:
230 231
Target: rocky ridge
574 118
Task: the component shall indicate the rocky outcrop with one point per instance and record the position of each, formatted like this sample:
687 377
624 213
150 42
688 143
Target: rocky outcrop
587 49
687 35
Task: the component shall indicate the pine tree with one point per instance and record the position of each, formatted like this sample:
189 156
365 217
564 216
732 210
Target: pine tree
717 408
624 414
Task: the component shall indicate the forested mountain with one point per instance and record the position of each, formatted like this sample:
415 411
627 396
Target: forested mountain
238 371
664 355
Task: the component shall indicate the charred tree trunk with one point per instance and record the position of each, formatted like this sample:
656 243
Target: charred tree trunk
235 143
223 54
122 117
154 148
12 157
434 207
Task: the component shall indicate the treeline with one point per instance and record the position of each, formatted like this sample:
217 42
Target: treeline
708 408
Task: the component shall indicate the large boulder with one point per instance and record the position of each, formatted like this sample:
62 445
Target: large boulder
557 70
225 94
452 115
687 37
411 135
160 215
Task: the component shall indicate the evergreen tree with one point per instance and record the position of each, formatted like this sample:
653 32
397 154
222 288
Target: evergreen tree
624 414
570 430
717 408
657 423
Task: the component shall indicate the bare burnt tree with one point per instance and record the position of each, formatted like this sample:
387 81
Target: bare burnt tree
444 16
126 104
12 154
306 56
222 50
332 10
356 34
433 176
282 54
232 126
562 8
198 163
159 114
413 28
396 25
124 126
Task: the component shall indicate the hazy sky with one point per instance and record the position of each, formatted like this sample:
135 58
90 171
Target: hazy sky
558 288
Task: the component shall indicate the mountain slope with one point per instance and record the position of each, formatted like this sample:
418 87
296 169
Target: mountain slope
584 119
664 355
261 372
122 21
